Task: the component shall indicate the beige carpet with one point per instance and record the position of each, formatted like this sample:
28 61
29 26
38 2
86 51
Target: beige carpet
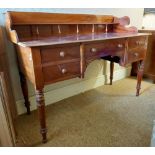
105 116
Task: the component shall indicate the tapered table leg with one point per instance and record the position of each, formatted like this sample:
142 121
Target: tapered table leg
139 76
25 91
111 71
41 112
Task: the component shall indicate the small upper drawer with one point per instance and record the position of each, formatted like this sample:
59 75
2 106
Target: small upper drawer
60 53
137 42
107 47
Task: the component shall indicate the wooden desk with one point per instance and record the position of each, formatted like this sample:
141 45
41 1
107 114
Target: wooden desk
56 47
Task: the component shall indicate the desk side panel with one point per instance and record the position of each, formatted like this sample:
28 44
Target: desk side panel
25 62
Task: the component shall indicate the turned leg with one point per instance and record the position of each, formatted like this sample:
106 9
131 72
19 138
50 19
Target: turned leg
41 111
139 75
111 71
25 91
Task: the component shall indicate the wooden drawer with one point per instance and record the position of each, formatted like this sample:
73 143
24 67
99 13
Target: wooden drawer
137 42
107 47
61 72
135 55
62 53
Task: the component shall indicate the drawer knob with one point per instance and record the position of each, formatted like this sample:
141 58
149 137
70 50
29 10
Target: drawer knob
62 54
30 57
120 45
94 50
136 54
63 70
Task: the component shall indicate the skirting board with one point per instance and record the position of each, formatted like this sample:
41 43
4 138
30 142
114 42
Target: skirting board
79 87
153 135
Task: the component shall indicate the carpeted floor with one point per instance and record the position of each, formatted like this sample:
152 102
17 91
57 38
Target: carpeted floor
105 116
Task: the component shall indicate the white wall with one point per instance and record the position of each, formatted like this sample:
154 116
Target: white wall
96 73
149 21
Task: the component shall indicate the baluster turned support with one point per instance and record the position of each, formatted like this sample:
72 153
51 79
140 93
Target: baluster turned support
41 111
111 71
37 31
77 31
59 29
25 91
139 76
93 31
82 60
106 29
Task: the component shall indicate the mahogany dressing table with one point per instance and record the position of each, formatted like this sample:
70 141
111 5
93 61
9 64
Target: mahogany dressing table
55 47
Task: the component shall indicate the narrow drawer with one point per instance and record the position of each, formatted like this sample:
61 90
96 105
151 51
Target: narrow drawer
107 47
137 42
61 72
60 53
135 55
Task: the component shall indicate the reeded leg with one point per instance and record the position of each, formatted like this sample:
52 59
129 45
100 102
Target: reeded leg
25 91
41 111
111 71
139 76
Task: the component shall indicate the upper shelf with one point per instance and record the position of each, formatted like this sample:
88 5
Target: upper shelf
41 27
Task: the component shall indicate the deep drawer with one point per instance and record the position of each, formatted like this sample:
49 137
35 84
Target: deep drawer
61 72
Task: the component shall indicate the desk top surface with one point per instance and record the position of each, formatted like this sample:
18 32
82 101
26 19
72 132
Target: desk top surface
78 39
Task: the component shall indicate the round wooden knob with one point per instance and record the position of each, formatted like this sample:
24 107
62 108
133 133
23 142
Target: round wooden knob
93 50
63 70
136 54
120 45
30 57
62 54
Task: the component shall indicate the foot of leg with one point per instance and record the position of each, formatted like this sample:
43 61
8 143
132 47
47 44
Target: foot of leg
41 113
139 76
111 71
